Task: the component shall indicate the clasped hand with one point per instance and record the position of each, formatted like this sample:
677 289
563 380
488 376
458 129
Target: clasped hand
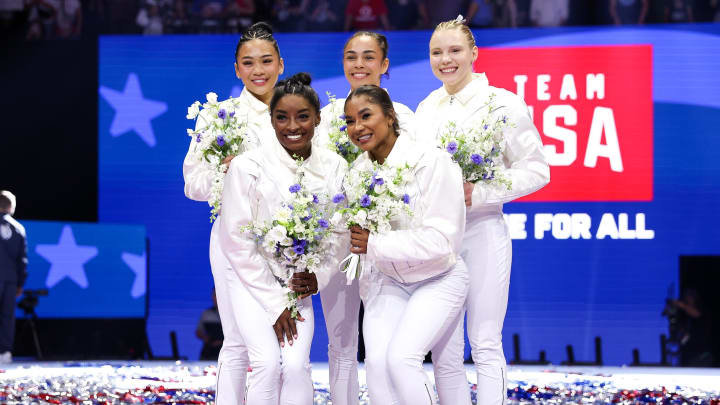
305 284
359 239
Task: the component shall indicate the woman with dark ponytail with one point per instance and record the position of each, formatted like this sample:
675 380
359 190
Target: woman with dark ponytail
257 184
258 64
365 61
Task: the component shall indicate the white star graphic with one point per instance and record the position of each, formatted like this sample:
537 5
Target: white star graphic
132 111
66 259
137 264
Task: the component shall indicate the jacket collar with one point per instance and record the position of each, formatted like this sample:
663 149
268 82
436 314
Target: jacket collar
478 84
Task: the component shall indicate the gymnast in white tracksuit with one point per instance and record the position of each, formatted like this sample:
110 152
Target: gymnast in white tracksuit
364 62
414 294
258 65
258 182
486 246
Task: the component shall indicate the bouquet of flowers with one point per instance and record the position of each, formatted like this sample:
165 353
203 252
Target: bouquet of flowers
296 238
478 150
372 199
218 134
339 140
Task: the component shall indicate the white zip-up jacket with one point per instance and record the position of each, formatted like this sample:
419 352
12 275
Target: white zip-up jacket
523 156
198 173
256 185
427 243
406 120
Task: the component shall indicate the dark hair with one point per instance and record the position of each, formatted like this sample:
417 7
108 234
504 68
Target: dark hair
259 30
379 38
379 97
298 84
5 202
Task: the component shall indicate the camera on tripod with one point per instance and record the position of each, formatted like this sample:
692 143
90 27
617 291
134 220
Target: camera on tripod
30 300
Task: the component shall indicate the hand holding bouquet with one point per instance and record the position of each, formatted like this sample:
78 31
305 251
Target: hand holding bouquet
296 238
372 199
219 134
478 150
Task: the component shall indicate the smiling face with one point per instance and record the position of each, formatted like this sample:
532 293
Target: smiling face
363 62
369 128
294 120
258 66
451 58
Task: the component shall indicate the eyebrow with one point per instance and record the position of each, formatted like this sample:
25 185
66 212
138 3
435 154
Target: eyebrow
364 109
259 57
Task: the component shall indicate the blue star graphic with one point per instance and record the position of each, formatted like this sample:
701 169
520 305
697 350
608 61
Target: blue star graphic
66 259
133 112
138 265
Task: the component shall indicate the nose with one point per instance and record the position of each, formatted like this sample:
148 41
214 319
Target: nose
293 125
445 58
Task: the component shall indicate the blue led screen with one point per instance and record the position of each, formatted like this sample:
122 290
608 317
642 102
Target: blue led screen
564 290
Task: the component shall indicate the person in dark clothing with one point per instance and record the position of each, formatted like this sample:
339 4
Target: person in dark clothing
209 330
13 271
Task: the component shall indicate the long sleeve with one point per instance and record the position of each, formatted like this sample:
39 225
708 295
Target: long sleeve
197 173
241 251
22 263
524 159
442 225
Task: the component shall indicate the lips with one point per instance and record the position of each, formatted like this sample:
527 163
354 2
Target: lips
359 75
364 138
448 70
259 82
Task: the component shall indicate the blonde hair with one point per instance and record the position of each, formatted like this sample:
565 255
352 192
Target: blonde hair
460 24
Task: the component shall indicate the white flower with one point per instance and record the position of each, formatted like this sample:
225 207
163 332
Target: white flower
360 217
336 218
277 233
299 228
289 252
282 215
211 97
193 110
286 242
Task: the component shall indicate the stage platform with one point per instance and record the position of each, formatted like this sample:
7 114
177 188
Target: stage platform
156 382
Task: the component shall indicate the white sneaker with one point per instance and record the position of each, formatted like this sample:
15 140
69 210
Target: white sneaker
5 358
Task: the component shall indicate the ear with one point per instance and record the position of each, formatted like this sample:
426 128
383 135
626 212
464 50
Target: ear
237 70
282 67
385 66
317 120
474 54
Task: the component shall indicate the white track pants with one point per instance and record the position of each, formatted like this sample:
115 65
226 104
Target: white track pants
401 324
279 375
233 360
341 308
487 250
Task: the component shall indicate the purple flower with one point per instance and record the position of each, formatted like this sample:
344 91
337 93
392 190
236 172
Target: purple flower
343 128
365 201
323 223
305 219
232 113
295 188
299 250
477 159
486 126
342 116
198 138
315 199
337 198
220 140
504 119
222 114
379 181
452 147
406 199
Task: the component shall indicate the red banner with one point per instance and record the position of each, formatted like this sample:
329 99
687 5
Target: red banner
593 108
